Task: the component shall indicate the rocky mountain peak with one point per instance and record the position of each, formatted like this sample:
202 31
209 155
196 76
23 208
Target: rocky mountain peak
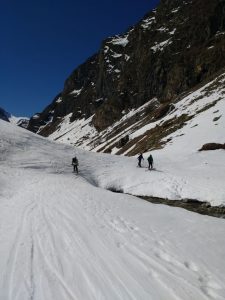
172 50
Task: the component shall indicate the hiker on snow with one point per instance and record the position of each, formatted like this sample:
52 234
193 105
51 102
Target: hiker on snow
140 158
75 164
150 162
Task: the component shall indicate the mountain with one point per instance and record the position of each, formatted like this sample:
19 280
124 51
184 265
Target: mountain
197 118
139 77
19 121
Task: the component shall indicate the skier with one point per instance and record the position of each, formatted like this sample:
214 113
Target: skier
140 158
150 162
75 164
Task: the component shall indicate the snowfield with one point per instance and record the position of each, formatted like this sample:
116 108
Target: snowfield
182 172
65 237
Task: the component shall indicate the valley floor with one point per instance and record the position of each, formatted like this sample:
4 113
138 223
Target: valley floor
64 236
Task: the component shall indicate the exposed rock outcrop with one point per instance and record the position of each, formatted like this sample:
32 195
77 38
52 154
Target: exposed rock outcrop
212 146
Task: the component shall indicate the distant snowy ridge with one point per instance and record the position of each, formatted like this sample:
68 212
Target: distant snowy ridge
19 121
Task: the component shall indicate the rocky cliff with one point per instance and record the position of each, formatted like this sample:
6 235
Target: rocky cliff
171 51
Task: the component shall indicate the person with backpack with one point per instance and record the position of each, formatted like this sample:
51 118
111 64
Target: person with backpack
140 158
75 164
150 162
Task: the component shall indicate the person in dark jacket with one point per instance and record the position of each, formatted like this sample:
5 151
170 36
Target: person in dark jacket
140 158
75 164
150 162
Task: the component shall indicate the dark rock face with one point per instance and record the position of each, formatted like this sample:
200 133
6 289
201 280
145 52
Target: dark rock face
174 48
123 141
4 115
212 146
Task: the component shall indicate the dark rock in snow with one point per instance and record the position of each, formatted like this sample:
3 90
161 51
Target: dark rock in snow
123 141
212 146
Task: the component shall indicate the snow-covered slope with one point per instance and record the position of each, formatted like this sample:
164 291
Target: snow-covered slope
63 237
194 120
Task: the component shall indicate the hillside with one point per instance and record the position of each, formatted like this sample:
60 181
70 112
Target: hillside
67 237
195 119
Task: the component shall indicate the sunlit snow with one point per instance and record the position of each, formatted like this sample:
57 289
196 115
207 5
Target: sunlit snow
66 237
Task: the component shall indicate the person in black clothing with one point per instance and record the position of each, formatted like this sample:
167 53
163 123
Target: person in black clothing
150 162
75 164
140 158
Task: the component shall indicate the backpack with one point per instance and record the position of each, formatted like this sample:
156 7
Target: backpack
75 161
150 159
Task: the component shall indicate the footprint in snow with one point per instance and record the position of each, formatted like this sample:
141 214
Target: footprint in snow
191 266
208 286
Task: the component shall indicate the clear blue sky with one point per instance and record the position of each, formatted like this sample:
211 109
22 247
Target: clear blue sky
42 41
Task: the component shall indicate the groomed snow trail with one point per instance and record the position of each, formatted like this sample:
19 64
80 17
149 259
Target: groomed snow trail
63 238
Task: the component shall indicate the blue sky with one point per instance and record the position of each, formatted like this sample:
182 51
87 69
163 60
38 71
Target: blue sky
42 41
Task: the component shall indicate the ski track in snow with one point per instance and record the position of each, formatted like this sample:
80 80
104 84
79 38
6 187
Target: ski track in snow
63 237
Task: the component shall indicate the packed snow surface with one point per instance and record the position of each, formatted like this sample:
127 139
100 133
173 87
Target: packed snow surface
64 237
